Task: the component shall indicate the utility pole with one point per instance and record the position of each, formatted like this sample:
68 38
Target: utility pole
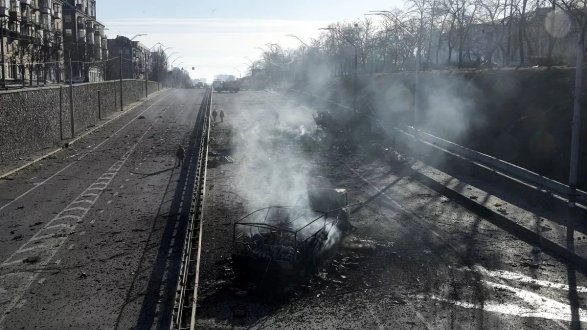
417 88
576 128
121 102
159 69
71 98
132 62
2 51
146 78
356 76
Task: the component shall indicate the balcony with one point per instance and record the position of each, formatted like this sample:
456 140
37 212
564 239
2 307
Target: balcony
14 5
46 22
26 20
57 13
98 54
13 34
36 19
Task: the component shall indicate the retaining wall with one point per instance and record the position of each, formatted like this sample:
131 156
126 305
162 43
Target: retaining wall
38 118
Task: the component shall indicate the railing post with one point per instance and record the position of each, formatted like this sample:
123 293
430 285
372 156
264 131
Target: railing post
146 78
71 99
61 112
99 105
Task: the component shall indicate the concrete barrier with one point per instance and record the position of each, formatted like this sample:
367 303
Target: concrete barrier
38 118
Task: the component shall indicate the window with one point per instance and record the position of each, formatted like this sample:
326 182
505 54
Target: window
67 18
68 32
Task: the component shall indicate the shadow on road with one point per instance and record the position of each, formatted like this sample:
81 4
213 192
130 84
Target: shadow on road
572 278
161 258
146 175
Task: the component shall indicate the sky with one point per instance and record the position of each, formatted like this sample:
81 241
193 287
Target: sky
217 37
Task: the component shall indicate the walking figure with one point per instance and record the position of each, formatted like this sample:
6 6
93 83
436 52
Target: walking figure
180 154
221 116
214 114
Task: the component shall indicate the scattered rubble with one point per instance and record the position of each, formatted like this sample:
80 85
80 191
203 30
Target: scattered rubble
291 239
31 260
502 211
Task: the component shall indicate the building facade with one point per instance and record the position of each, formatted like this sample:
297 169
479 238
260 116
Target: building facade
84 42
136 59
31 36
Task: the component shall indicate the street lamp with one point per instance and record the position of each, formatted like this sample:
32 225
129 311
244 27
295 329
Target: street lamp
356 65
159 55
177 58
390 15
2 22
300 40
157 44
132 63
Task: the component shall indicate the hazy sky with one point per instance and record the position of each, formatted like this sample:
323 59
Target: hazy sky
215 36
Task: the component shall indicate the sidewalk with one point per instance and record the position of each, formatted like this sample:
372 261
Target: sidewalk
12 167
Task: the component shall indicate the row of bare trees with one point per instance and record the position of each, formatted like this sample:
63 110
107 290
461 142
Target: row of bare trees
437 34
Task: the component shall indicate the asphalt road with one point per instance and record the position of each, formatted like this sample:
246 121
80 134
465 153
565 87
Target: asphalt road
415 260
91 238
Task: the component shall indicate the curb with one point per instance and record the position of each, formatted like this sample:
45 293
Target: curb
83 135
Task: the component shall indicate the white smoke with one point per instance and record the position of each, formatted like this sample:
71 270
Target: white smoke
272 167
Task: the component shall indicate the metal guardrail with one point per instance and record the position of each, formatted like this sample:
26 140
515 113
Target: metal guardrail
508 169
184 310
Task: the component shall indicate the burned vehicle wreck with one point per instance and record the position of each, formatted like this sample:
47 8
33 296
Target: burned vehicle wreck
291 240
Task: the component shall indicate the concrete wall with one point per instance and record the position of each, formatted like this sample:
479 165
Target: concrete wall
38 118
521 116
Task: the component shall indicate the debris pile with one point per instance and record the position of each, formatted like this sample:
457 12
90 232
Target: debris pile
291 239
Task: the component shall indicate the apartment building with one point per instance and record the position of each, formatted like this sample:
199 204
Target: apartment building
84 41
31 41
136 59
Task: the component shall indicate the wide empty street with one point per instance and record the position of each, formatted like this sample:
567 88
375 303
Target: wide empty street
91 237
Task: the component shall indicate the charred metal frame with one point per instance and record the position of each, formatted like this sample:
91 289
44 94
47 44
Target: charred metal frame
302 247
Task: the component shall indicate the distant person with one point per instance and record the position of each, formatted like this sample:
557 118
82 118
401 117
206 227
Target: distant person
214 115
221 115
180 154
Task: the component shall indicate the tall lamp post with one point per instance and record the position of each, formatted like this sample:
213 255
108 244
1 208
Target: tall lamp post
172 72
390 15
356 65
2 22
303 50
300 40
132 64
158 55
